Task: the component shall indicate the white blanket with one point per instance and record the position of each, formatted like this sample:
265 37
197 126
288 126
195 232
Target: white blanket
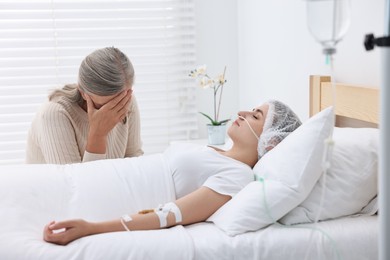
33 195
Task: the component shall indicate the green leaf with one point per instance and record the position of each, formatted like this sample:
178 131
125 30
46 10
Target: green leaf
211 120
224 121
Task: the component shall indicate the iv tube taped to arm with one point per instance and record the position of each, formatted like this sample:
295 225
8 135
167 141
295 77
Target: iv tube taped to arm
125 219
162 212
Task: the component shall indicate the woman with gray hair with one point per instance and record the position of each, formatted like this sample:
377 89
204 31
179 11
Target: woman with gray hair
203 178
97 118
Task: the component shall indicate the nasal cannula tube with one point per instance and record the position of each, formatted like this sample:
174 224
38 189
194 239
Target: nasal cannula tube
243 118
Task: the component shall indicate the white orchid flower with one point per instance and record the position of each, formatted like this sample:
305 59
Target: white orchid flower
217 84
220 79
201 69
206 82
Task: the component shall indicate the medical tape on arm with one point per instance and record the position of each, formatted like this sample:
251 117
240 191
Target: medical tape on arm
125 219
163 210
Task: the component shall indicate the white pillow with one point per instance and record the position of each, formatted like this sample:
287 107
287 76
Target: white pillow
289 172
351 181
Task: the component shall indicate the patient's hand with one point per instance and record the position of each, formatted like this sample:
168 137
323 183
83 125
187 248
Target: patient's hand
64 232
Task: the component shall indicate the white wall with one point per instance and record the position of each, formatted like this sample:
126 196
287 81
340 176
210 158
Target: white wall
217 46
277 53
270 53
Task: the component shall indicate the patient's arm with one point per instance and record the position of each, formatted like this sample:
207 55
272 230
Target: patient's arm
195 207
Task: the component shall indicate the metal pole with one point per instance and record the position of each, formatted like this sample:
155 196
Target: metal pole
384 154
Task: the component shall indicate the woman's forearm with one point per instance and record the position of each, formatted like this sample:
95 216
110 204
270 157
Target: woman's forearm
64 232
139 222
96 143
194 208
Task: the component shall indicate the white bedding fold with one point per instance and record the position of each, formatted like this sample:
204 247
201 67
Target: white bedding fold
347 238
33 195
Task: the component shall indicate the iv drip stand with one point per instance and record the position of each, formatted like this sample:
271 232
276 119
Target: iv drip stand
384 126
384 154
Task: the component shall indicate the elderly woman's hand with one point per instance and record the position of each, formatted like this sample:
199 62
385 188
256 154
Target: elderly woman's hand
64 232
102 120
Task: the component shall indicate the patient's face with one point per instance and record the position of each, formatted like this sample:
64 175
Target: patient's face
248 126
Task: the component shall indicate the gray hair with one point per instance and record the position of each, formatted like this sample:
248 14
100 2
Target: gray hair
104 72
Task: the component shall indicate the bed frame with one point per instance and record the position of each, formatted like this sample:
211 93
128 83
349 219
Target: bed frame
356 106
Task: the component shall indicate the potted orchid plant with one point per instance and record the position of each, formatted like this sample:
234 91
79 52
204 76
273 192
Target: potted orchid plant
216 84
216 128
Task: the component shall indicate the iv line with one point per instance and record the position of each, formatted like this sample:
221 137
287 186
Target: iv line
329 142
315 228
327 155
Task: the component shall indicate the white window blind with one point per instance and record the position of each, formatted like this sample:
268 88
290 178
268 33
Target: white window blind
42 44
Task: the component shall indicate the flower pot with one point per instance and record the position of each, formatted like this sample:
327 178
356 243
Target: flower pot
216 134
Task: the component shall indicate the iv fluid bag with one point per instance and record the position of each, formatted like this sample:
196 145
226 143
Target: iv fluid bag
328 20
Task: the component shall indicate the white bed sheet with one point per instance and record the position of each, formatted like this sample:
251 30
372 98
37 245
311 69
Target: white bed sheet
356 238
33 195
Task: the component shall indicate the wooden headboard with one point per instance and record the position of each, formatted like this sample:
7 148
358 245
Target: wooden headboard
356 106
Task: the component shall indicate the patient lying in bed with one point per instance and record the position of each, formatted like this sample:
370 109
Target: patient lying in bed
203 179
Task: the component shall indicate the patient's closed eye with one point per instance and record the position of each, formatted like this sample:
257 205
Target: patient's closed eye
258 113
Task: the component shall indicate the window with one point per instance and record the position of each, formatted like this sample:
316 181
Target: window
43 42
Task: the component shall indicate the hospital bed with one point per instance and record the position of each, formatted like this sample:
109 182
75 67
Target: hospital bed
33 195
